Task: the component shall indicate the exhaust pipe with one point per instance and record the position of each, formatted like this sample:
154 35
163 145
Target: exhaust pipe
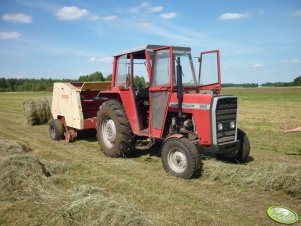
179 86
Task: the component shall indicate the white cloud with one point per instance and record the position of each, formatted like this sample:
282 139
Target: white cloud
155 9
140 7
168 16
297 12
257 65
101 59
234 16
9 35
19 18
109 18
293 61
105 18
94 18
296 61
149 28
146 7
71 13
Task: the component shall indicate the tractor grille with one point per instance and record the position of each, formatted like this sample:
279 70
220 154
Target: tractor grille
226 112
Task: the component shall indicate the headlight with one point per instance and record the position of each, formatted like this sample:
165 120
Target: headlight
232 125
220 126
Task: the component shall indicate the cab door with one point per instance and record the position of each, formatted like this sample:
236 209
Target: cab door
160 89
209 71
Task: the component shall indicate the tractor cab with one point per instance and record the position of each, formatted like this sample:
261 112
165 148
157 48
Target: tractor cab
167 70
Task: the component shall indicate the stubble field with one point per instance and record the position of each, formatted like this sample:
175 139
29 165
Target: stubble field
79 185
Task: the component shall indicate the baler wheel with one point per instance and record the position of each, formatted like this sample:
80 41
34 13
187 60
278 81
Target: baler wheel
56 129
113 130
180 158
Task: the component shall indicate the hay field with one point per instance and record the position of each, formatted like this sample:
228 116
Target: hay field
75 184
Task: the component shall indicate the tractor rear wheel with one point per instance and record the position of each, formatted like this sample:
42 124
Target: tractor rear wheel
180 158
113 130
56 129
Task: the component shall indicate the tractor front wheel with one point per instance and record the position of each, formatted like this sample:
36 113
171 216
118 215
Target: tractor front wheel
243 150
180 158
56 129
113 129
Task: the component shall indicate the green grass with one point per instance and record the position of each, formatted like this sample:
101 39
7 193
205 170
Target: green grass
141 183
263 112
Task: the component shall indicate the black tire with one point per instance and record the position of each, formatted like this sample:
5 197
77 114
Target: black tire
116 143
244 148
56 129
243 151
181 148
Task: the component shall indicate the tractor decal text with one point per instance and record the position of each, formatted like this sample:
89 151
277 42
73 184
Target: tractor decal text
65 97
191 106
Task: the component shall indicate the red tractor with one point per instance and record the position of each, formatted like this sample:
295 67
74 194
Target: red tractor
179 109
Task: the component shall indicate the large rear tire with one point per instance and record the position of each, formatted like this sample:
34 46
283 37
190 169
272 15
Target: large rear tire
180 158
56 129
113 130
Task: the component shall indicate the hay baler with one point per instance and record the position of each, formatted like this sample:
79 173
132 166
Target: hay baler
74 108
179 109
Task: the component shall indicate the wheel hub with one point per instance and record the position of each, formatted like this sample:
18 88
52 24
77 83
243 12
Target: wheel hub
52 132
177 161
108 132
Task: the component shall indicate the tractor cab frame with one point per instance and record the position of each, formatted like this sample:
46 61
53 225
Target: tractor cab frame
162 64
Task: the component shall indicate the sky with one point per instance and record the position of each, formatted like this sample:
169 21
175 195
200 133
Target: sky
259 40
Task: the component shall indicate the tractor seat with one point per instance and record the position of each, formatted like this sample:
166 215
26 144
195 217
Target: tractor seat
142 96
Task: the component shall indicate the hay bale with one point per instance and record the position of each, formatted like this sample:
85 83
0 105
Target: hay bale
22 176
281 177
90 206
37 111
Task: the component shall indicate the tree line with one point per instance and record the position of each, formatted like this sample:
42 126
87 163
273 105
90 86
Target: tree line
295 82
15 84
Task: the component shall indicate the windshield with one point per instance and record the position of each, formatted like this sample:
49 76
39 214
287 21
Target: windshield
188 72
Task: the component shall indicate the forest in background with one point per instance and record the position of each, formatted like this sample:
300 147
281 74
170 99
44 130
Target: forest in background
19 84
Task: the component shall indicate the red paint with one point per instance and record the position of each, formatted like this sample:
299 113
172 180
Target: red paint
158 133
127 99
90 123
201 117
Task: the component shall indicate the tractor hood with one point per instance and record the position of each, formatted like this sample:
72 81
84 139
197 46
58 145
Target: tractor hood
194 101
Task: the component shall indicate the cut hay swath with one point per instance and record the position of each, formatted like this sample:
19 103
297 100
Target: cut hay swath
271 177
26 178
91 206
37 111
22 177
